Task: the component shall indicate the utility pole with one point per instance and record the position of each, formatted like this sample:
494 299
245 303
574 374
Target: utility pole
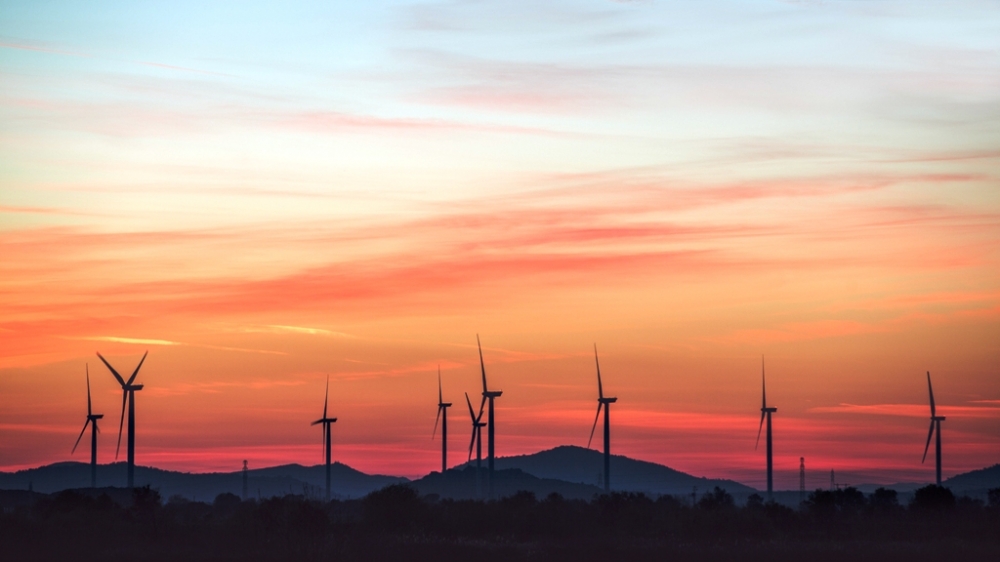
802 479
245 480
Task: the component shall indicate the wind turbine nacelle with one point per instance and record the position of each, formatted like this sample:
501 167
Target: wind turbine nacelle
128 387
607 400
492 393
938 418
95 416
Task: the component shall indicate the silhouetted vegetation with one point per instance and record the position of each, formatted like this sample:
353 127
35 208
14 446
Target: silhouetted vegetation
395 523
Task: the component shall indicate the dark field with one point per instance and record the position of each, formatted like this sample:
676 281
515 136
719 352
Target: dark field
396 524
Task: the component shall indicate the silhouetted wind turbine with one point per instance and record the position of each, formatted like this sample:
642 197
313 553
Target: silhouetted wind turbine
442 416
128 396
605 403
488 395
477 440
326 421
935 427
91 419
766 412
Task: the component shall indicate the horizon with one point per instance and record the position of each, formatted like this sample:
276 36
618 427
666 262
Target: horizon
266 196
468 464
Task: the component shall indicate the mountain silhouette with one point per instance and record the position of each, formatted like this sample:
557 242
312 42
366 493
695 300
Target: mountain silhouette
573 472
460 483
584 466
346 482
975 482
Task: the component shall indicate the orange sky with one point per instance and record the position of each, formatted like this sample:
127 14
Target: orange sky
261 220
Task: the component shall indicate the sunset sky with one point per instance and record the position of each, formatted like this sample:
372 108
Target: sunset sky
265 194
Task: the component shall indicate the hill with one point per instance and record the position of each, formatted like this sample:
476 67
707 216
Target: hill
264 482
975 482
460 483
584 466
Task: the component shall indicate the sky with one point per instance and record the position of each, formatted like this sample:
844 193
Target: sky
264 195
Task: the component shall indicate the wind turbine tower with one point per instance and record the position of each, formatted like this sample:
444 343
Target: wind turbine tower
935 429
477 440
604 403
442 416
91 419
766 412
488 395
326 421
128 396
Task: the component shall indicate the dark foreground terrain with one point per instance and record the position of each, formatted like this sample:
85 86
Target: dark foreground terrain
395 523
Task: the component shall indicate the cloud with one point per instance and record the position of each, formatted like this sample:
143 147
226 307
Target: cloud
299 330
910 410
135 341
142 341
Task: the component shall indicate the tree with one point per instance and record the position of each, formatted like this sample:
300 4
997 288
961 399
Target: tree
716 500
933 498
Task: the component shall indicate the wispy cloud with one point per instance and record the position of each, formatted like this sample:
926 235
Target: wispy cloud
275 328
134 341
911 410
145 341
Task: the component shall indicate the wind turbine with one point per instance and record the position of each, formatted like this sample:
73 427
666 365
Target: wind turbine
477 440
128 396
935 427
326 421
488 395
442 416
766 412
91 419
605 403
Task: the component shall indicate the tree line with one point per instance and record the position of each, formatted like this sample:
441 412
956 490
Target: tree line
396 523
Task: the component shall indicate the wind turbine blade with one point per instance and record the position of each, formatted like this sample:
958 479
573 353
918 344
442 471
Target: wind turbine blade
136 371
762 414
440 394
600 389
327 399
928 446
436 420
81 436
472 413
931 392
763 385
121 423
481 406
89 410
482 365
112 369
595 424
